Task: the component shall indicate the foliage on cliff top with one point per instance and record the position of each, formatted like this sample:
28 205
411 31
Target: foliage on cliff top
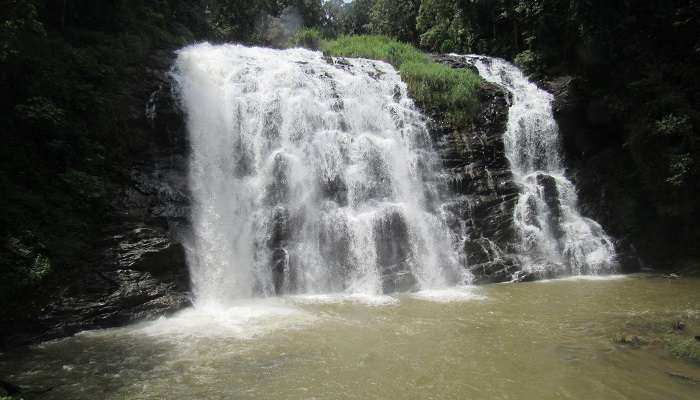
433 86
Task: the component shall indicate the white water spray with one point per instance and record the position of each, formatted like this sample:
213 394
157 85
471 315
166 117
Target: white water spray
555 238
308 175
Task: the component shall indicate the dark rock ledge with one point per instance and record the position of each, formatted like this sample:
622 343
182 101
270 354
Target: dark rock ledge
477 170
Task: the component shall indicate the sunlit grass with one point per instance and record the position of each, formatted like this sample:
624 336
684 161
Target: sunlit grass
376 48
432 85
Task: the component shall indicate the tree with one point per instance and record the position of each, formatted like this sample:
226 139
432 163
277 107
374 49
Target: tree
440 26
357 20
395 18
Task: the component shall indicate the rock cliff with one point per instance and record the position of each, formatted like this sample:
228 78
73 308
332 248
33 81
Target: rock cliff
475 165
138 270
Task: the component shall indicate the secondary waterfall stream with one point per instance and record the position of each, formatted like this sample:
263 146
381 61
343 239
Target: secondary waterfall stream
555 238
308 175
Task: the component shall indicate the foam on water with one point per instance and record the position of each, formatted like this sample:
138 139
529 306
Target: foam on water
450 295
335 298
612 277
240 320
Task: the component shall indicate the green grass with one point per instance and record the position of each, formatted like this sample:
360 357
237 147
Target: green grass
376 48
432 85
307 37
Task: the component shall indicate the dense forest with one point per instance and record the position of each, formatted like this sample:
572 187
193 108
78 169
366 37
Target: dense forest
67 69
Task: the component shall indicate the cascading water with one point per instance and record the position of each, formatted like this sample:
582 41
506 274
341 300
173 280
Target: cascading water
308 175
555 238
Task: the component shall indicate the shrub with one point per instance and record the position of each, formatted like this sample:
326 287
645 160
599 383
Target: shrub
673 125
680 168
308 38
529 61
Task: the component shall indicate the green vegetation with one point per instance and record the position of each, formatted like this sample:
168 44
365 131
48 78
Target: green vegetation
684 347
433 86
376 48
674 332
309 38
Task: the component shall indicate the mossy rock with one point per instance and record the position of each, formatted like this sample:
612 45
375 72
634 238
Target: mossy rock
633 341
686 347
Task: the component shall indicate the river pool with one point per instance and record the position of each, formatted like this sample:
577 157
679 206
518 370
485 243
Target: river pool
562 339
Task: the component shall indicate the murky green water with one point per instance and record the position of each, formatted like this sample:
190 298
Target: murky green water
545 340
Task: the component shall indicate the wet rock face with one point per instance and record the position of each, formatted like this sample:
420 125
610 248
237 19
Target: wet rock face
551 197
455 62
475 166
138 270
277 243
394 253
595 153
498 270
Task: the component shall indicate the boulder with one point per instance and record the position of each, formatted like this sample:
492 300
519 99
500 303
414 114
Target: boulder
550 195
500 270
398 278
394 253
454 62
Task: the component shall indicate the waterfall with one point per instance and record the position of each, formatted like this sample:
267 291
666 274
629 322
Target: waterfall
555 239
308 175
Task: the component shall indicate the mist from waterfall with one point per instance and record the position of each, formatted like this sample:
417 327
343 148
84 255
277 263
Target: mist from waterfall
308 175
555 239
